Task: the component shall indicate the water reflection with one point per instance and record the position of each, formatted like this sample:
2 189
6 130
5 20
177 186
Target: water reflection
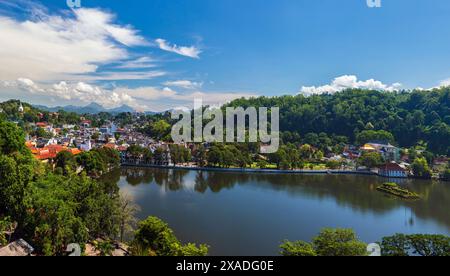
355 192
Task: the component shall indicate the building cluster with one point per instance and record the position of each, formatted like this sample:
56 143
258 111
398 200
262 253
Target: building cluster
83 137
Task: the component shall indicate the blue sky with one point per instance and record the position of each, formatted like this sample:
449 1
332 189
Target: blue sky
231 48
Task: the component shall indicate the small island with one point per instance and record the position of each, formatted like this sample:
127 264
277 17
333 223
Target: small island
394 189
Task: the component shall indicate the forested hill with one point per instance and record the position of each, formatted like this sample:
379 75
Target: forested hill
413 117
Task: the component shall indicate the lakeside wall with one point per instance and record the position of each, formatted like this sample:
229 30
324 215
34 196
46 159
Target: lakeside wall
239 170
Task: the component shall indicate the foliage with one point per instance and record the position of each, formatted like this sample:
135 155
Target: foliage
297 249
367 136
370 160
396 190
42 133
416 245
105 248
159 130
227 156
5 226
330 242
17 170
200 156
66 161
339 242
127 212
154 237
420 168
410 116
180 154
12 139
99 161
68 209
333 164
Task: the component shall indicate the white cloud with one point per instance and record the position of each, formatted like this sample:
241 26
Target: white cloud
192 51
444 83
112 76
139 63
141 98
55 47
186 84
346 82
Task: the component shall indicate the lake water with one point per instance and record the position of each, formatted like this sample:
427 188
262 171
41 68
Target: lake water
251 214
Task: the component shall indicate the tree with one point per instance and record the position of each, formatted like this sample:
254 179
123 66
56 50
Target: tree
135 151
147 154
66 161
297 249
215 156
159 130
42 133
415 245
160 156
371 135
330 242
17 169
438 138
105 248
370 160
179 154
333 164
68 209
201 156
6 225
154 237
127 212
339 242
420 168
12 139
92 163
262 164
306 151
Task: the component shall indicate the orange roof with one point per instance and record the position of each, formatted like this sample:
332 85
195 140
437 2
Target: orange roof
75 151
29 144
41 124
52 151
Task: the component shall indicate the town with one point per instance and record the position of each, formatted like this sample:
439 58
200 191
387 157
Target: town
139 148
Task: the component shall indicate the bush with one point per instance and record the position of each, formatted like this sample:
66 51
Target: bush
416 245
154 238
330 242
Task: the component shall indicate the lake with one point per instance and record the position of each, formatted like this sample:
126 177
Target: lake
251 214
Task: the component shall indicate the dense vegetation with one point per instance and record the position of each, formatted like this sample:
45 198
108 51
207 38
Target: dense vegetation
53 206
407 118
154 238
344 242
330 242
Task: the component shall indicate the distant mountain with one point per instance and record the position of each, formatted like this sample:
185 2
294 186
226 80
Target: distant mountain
93 108
122 109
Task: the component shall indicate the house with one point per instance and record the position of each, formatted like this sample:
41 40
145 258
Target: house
387 151
393 170
19 248
41 124
86 123
86 145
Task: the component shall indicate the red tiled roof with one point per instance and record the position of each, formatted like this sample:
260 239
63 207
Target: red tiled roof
41 124
392 167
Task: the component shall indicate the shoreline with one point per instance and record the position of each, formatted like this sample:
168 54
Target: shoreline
269 171
239 170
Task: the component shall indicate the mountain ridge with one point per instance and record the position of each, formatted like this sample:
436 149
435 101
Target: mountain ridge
92 108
